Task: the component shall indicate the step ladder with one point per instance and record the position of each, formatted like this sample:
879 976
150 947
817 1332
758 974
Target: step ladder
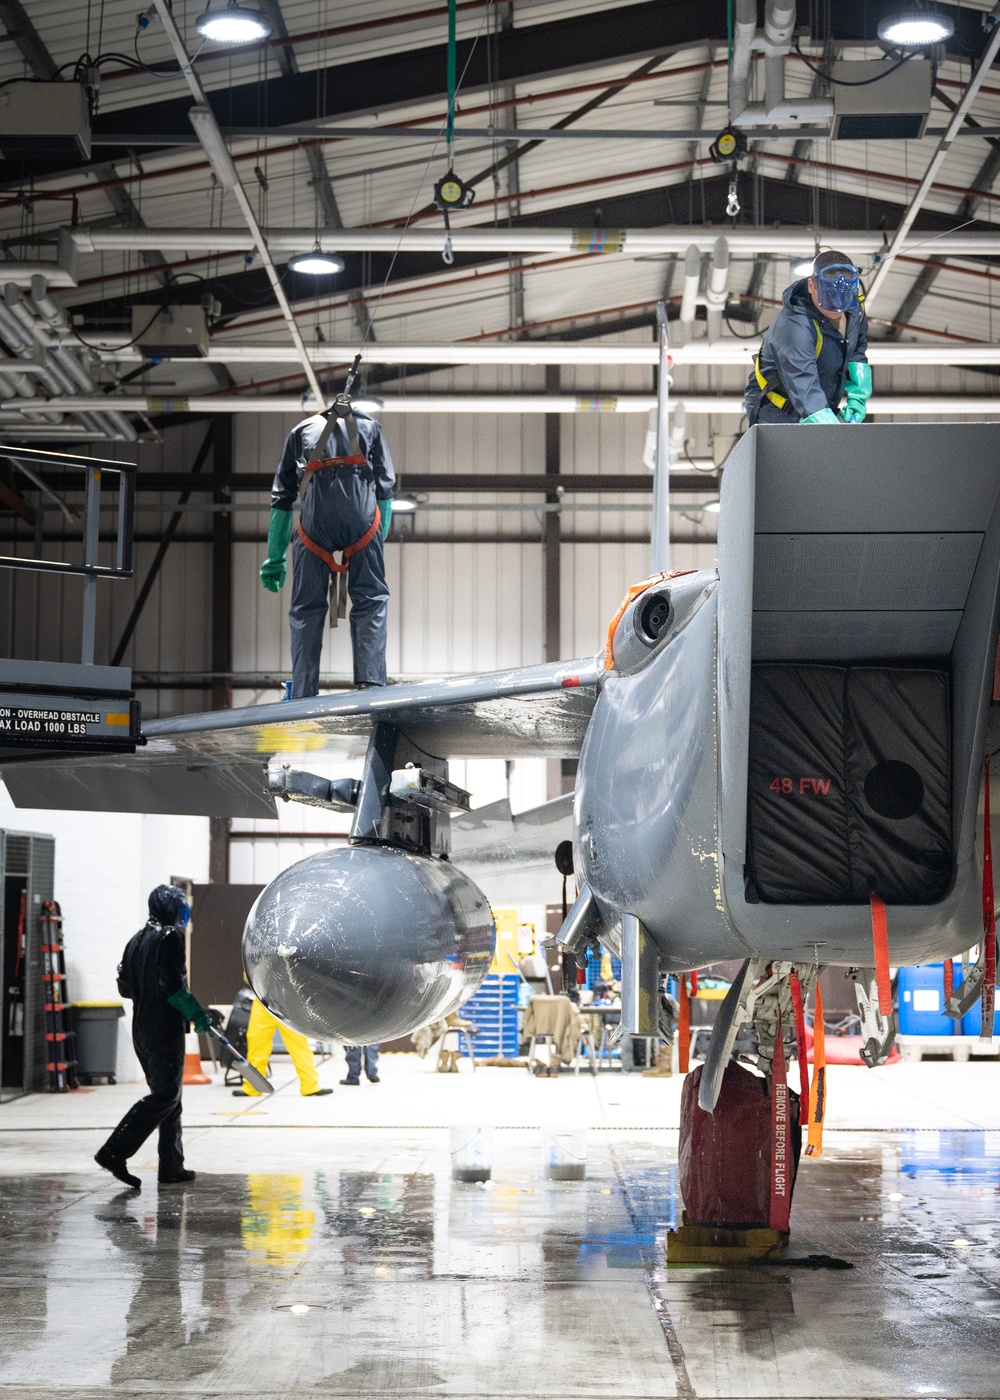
60 1053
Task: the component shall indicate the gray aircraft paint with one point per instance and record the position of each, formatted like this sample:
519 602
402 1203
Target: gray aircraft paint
661 808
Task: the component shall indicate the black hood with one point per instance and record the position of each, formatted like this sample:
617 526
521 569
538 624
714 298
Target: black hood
166 903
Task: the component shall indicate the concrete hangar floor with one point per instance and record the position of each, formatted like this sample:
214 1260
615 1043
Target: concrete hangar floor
325 1251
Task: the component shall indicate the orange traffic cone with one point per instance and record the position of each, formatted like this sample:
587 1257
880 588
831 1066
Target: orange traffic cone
192 1061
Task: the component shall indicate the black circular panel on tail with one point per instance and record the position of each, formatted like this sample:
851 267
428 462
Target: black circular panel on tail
894 789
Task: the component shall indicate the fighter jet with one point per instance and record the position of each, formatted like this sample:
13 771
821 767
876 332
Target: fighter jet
767 752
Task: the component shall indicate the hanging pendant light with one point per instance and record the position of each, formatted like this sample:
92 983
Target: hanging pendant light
316 263
915 26
233 24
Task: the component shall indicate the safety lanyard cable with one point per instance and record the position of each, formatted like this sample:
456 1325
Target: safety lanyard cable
880 942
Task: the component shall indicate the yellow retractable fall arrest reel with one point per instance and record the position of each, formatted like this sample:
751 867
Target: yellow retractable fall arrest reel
451 192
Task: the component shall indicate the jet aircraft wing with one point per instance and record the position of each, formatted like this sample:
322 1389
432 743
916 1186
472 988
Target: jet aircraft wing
510 856
213 764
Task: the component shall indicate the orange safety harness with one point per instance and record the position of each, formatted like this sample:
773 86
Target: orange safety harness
318 464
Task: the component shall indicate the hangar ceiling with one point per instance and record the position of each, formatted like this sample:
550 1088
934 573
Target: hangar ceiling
582 117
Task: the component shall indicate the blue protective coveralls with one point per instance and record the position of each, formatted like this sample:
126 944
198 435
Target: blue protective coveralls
338 510
791 367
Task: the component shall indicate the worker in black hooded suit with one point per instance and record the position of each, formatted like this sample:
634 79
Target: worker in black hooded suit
153 975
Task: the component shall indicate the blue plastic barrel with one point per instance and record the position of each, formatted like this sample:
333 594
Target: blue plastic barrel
921 1000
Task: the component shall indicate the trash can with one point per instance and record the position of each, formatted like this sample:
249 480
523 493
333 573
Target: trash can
95 1024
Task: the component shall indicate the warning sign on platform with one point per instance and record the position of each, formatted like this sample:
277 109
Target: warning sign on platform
68 721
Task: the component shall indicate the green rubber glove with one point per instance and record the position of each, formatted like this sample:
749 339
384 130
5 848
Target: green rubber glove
279 531
385 509
825 415
859 389
192 1010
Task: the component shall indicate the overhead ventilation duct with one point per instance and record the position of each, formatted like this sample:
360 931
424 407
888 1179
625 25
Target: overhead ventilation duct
38 116
180 332
881 99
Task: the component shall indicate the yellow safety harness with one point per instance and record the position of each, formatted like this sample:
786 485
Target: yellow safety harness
779 400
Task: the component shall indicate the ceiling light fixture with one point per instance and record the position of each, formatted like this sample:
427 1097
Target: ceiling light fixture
235 24
317 263
712 507
404 505
915 27
802 268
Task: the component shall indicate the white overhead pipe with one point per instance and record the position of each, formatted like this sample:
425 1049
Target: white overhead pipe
717 288
692 285
14 333
775 43
14 316
744 33
779 27
731 351
677 436
746 241
897 405
61 358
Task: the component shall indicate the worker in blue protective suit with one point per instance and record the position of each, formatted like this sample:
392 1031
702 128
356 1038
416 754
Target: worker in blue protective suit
814 351
347 506
153 975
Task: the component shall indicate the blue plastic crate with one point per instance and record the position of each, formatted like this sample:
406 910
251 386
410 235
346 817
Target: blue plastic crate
493 1009
593 969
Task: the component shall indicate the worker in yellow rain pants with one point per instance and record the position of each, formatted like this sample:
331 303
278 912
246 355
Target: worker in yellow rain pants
260 1038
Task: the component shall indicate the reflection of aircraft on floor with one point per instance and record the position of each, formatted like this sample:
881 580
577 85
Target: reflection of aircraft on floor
766 753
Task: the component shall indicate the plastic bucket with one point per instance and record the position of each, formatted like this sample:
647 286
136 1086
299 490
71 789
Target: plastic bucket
564 1153
471 1152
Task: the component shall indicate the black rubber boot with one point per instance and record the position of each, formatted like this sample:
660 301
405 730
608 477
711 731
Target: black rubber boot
354 1082
118 1167
318 1094
176 1178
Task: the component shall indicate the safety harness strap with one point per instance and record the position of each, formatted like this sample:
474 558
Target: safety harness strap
318 464
351 549
780 400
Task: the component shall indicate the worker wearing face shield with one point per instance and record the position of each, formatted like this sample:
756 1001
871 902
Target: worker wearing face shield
153 975
812 365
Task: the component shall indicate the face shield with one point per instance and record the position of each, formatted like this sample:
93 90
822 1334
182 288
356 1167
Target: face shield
837 287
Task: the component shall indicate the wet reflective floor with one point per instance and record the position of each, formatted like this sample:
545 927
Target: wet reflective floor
324 1262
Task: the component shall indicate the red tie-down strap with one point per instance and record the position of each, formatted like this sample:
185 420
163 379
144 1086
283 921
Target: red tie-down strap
683 1027
989 917
781 1139
817 1091
799 1012
880 940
